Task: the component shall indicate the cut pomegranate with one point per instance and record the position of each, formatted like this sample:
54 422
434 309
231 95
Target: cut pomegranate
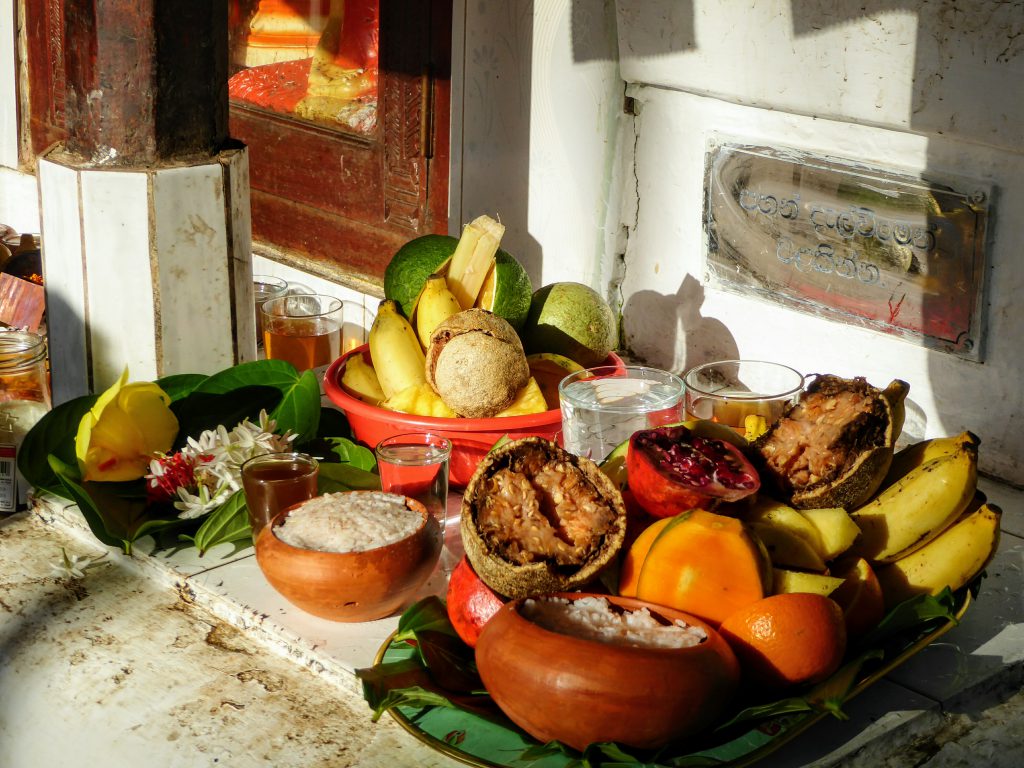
672 470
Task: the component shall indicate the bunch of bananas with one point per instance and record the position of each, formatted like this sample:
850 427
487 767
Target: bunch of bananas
395 376
929 527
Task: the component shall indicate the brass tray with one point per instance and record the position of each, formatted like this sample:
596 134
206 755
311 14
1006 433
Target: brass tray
479 741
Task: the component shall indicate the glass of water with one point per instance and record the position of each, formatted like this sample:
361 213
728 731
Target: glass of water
602 407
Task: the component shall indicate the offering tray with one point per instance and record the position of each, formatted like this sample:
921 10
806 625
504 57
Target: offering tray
482 736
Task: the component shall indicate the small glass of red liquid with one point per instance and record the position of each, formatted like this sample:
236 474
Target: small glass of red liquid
416 465
275 481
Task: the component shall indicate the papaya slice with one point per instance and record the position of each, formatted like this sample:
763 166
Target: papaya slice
705 564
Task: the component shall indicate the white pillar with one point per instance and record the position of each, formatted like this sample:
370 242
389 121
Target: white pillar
149 268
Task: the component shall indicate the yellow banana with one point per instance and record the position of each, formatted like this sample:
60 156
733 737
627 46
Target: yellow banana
917 454
917 507
436 305
360 380
952 559
396 353
896 393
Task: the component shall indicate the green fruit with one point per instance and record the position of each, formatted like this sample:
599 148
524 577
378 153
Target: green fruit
507 291
570 319
412 264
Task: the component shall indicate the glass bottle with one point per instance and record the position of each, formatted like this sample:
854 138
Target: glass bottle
24 399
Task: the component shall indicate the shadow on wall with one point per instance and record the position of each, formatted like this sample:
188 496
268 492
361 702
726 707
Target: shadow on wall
660 329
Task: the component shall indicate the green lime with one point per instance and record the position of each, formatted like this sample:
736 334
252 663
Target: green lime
412 264
507 290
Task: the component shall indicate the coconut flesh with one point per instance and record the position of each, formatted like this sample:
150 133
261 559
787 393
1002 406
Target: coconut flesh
476 363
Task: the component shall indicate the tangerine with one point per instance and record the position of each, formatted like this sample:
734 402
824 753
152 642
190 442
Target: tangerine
787 640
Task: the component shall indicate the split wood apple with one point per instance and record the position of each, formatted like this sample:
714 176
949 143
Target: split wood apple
699 562
578 691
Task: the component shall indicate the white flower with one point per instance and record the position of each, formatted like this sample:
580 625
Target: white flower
75 566
217 456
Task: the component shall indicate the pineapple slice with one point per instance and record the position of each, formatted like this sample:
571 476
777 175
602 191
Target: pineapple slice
419 400
529 399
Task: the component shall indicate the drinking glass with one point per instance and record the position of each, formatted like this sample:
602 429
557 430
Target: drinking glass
416 465
603 406
747 395
303 330
275 481
264 288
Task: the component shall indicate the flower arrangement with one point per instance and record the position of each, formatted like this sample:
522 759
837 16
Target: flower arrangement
148 458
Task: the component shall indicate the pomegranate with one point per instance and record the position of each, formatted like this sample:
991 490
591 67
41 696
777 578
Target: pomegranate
470 602
672 470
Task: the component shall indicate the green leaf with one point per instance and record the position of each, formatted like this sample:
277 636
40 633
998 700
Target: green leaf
53 434
66 475
352 453
429 613
116 513
333 477
226 524
179 385
199 411
299 407
917 613
410 697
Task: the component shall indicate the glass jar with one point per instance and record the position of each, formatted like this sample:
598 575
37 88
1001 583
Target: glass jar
24 399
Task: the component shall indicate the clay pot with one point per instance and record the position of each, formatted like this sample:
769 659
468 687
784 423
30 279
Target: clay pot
350 586
580 691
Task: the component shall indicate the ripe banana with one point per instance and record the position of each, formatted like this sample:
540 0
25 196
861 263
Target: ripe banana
436 304
917 507
896 394
917 454
952 559
396 353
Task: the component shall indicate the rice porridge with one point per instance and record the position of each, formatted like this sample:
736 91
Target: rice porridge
349 522
594 618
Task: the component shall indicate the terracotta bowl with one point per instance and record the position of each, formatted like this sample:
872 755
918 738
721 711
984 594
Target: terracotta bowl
580 691
471 438
350 586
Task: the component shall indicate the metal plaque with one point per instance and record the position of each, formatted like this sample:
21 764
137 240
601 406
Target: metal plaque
863 246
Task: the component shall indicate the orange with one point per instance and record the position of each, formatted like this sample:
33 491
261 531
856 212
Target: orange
860 596
787 640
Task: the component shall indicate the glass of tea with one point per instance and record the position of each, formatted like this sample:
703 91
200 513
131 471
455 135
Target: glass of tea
747 395
275 481
304 330
416 465
264 288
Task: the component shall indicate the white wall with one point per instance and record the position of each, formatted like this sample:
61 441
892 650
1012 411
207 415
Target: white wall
938 95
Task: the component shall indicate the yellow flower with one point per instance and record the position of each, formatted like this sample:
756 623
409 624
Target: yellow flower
128 424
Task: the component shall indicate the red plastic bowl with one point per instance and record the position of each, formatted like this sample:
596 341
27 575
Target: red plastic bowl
471 438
